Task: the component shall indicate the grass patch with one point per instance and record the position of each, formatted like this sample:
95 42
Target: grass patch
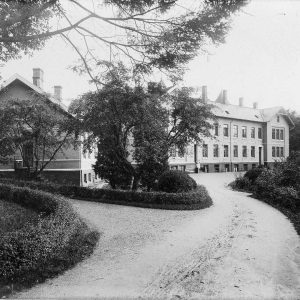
53 241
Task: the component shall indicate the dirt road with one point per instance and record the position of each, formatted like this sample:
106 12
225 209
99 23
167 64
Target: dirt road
237 248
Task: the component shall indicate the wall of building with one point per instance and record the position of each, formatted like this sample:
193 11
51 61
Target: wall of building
269 142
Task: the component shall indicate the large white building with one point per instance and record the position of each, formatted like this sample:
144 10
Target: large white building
244 137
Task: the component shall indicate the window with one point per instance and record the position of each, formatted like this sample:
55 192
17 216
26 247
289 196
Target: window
245 167
281 152
217 168
277 134
259 133
227 167
216 150
216 129
273 151
278 119
235 131
235 151
277 151
205 150
244 151
182 168
225 150
236 168
281 134
244 131
172 151
181 153
90 177
252 132
225 129
84 178
273 134
252 151
253 166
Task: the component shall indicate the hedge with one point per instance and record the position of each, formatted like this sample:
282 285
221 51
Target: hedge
195 199
56 241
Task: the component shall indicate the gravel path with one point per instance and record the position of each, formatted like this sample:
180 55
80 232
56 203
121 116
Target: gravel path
239 247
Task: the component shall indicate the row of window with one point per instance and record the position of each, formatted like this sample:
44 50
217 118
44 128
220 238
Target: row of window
277 152
226 151
277 134
87 177
236 131
235 168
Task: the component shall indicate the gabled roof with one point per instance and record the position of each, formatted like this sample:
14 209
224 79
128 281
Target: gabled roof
249 113
236 112
17 77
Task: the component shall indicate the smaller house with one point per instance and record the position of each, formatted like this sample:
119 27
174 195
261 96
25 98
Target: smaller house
70 165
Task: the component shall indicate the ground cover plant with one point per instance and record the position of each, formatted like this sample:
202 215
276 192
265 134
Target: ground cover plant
278 186
53 240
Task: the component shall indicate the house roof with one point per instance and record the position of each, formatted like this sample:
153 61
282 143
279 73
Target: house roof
17 77
249 113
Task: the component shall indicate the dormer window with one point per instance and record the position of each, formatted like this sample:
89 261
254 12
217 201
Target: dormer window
227 112
278 119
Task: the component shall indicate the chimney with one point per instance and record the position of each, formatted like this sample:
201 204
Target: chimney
57 92
38 77
225 101
255 105
241 101
204 93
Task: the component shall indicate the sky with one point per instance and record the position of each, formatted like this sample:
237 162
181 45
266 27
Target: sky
259 61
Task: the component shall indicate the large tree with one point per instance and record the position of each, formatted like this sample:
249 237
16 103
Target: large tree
135 128
162 34
35 128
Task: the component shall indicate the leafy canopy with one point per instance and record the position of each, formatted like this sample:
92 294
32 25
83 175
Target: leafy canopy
135 127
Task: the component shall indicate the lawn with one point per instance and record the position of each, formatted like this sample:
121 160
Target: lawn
14 217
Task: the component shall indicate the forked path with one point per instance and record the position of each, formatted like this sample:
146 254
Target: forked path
239 247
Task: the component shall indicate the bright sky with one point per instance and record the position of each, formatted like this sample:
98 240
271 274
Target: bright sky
260 60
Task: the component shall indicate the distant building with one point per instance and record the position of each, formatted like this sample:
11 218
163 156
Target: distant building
70 165
244 138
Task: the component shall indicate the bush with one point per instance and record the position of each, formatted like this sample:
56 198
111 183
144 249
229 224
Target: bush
196 199
253 174
287 197
241 183
56 241
176 182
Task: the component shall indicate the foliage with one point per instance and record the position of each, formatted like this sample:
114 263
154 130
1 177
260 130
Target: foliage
56 241
241 183
135 128
253 174
174 181
36 128
21 19
196 199
150 34
14 217
295 133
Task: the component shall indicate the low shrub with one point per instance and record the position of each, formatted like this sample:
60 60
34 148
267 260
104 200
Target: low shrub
253 174
241 183
176 182
196 199
56 241
287 197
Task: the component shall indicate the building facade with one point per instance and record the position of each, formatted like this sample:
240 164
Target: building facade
242 138
70 165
